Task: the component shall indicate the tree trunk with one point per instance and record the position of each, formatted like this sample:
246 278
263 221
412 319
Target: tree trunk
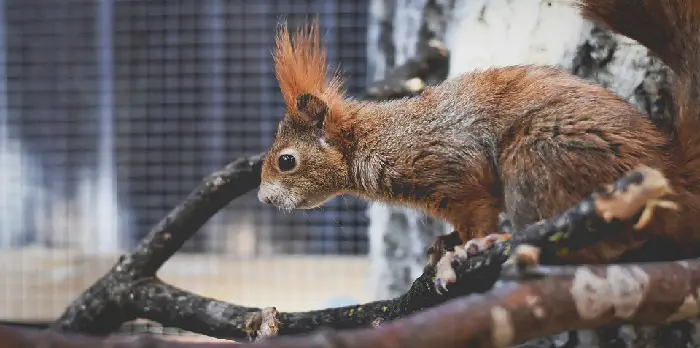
481 33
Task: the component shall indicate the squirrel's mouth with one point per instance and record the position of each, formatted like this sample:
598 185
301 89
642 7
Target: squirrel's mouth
288 204
276 195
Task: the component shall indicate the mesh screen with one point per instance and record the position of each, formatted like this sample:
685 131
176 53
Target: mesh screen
126 106
113 111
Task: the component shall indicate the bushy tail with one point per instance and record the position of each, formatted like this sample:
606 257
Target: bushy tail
671 30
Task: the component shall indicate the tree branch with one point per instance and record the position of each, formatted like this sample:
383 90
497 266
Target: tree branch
409 78
429 66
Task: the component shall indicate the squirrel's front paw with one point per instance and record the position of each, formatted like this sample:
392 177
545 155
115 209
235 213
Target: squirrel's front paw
445 272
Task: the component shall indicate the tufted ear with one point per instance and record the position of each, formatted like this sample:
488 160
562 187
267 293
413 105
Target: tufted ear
312 109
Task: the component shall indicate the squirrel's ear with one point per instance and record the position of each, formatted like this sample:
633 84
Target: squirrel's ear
312 109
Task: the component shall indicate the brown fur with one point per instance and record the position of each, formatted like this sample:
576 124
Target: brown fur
527 140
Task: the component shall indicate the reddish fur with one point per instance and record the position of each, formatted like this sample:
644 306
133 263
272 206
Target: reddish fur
527 140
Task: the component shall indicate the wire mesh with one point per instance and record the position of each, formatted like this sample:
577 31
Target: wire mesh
112 111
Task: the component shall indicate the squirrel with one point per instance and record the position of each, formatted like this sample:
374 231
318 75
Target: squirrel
526 140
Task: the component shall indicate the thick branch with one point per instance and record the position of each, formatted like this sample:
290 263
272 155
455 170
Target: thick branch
152 299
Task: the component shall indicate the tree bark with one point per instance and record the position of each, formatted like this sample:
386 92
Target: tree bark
481 33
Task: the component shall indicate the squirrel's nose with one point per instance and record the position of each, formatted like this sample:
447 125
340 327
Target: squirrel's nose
264 198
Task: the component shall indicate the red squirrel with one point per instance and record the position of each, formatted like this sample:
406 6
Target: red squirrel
527 140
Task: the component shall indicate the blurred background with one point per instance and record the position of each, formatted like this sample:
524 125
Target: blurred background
111 112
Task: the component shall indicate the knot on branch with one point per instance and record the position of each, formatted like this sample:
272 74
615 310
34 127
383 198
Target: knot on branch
265 323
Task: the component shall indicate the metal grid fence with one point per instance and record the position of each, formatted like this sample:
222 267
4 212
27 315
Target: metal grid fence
124 106
112 111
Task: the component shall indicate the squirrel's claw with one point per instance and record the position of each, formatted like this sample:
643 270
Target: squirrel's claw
445 273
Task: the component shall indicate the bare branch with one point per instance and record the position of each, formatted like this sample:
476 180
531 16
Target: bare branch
409 79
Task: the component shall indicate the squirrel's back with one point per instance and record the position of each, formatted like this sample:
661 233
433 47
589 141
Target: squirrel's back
478 137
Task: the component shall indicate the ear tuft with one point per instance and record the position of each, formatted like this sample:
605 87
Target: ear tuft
311 108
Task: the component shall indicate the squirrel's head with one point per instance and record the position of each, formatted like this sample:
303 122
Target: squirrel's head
306 165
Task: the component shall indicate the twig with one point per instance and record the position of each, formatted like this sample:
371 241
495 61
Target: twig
409 78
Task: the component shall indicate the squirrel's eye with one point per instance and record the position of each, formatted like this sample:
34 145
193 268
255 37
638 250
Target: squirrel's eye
286 162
